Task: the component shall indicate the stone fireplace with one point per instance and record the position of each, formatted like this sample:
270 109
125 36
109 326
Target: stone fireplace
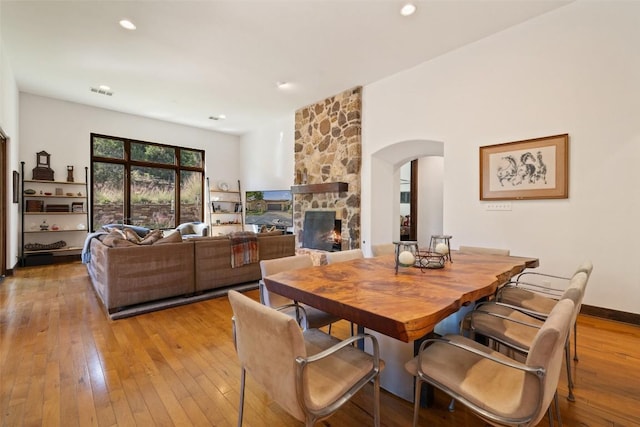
328 157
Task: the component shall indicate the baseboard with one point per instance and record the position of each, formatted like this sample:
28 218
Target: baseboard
609 314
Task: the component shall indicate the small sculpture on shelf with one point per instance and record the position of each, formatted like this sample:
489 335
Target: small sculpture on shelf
43 171
69 173
44 226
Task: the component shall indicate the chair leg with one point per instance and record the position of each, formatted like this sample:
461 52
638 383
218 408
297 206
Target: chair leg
330 328
555 400
575 341
452 405
567 358
243 374
416 402
376 401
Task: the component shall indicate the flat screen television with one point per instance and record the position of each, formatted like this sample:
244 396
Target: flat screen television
269 208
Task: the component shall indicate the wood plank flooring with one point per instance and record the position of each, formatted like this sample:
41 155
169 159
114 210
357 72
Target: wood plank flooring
64 363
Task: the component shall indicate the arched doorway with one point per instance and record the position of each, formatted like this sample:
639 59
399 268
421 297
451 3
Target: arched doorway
384 166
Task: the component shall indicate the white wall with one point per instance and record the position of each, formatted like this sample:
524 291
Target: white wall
56 126
268 157
9 125
573 70
430 196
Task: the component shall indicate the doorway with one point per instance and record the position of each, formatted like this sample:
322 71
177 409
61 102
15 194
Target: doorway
409 201
3 206
382 221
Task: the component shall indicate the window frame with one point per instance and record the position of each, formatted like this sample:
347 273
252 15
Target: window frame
128 163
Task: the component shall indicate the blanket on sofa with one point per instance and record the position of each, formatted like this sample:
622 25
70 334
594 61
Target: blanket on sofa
244 248
86 251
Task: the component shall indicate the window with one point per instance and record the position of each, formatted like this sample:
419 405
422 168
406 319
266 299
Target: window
138 183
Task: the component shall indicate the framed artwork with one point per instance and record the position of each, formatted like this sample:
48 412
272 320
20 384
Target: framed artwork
530 169
16 187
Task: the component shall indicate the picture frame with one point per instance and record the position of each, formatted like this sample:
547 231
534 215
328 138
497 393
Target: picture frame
530 169
16 187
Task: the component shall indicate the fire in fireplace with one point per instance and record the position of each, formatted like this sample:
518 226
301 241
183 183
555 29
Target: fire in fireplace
321 230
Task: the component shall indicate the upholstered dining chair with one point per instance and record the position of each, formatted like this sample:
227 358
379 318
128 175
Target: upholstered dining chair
341 256
383 249
497 388
485 251
516 327
315 318
538 296
308 373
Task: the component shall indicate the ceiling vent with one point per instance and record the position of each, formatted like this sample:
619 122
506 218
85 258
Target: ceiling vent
101 91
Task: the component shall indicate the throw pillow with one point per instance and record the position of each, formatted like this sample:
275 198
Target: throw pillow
109 239
140 231
131 235
151 238
171 238
123 243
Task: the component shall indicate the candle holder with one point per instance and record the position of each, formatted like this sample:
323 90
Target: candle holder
405 253
440 244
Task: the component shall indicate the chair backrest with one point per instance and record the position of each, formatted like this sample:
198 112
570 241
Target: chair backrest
575 291
485 251
267 343
341 256
383 249
278 265
586 266
546 351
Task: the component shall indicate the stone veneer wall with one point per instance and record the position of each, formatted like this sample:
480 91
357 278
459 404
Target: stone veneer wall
328 148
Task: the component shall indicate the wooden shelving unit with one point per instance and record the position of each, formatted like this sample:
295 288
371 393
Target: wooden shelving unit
70 225
225 209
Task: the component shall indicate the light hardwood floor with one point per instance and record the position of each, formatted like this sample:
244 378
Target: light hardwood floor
63 362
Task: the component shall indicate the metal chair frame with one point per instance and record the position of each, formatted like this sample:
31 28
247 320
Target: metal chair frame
554 292
522 350
313 416
538 372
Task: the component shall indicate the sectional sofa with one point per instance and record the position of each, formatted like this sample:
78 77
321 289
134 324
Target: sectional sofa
124 276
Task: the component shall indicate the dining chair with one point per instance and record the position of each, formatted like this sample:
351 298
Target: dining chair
383 249
308 373
341 256
539 296
457 317
516 327
315 318
497 388
485 251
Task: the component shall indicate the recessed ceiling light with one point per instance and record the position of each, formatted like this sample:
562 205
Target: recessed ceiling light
282 85
104 87
408 9
218 117
125 23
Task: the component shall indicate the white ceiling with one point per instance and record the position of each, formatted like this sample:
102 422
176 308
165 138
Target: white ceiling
189 60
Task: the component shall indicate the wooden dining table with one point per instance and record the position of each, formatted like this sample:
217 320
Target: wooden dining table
405 305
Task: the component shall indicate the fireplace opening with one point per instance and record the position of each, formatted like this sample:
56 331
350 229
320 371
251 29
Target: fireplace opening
322 231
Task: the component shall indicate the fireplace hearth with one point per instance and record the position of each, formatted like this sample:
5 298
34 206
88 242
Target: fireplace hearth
322 231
